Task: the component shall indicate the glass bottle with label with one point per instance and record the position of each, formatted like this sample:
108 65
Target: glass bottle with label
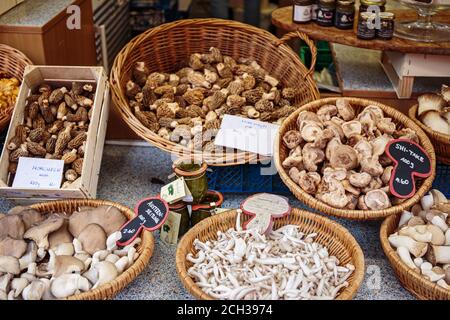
194 175
301 11
326 12
345 14
386 30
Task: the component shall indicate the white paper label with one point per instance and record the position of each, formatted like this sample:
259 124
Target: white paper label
34 173
171 229
247 135
302 13
175 191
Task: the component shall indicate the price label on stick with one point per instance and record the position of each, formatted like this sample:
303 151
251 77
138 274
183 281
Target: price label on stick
410 160
151 214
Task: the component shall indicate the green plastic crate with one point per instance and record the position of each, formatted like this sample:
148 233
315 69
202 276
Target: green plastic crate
324 56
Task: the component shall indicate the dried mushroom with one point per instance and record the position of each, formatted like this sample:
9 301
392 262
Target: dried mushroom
56 125
347 151
210 82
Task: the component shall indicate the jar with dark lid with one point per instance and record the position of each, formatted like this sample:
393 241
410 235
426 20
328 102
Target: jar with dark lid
325 13
194 175
181 208
345 14
301 11
387 23
366 26
213 200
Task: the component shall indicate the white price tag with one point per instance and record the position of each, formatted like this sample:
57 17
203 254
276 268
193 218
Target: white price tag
247 135
175 191
34 173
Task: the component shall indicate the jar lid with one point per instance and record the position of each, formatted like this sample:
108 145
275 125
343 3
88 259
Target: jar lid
368 15
346 2
373 2
387 15
180 172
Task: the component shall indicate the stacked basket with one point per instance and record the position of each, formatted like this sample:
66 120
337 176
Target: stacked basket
13 63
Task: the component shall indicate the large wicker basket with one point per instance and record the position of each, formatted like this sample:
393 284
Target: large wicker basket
441 142
168 47
281 152
13 63
145 249
411 280
330 234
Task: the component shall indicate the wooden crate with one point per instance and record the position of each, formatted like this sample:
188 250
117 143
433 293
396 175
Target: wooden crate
6 5
87 188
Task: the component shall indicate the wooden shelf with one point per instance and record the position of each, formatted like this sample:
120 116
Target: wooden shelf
282 18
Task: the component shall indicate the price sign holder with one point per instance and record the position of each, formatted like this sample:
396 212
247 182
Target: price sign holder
410 160
151 213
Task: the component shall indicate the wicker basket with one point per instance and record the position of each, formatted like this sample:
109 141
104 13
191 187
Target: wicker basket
13 63
281 152
145 249
441 142
411 280
167 48
330 234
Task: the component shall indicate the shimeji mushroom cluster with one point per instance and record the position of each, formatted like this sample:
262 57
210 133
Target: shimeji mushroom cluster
55 255
422 240
339 156
286 264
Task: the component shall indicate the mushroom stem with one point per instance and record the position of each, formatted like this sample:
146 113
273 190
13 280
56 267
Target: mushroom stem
404 255
438 254
405 217
417 249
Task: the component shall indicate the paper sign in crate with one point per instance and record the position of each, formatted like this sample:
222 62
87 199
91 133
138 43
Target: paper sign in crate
62 76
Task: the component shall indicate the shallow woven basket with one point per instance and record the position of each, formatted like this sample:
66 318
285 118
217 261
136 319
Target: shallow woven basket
145 249
412 281
281 152
13 63
335 237
441 142
167 48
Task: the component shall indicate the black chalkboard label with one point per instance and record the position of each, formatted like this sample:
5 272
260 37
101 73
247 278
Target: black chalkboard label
151 215
410 161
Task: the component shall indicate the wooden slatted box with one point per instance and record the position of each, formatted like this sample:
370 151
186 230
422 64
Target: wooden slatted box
62 76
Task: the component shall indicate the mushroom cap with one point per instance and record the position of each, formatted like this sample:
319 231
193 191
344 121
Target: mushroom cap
437 123
66 265
292 139
12 226
108 217
332 144
40 232
364 149
438 197
360 179
377 200
307 115
430 102
331 173
307 183
372 166
336 128
93 238
12 247
375 110
379 144
310 131
9 264
352 128
326 112
312 156
60 236
345 109
29 216
344 156
332 192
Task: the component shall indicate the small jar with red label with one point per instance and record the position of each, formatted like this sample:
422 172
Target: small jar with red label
302 10
326 13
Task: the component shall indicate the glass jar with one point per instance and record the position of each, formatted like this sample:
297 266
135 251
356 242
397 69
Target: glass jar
345 14
194 175
325 13
365 4
314 9
181 208
386 31
213 200
365 31
301 12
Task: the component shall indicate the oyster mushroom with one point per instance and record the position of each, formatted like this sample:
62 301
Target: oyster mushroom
352 128
345 109
29 257
29 216
377 200
12 247
40 232
93 238
292 139
9 264
12 226
344 156
34 291
59 265
68 284
107 272
17 286
360 179
108 217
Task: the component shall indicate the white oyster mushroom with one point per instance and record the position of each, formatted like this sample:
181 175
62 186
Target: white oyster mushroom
68 284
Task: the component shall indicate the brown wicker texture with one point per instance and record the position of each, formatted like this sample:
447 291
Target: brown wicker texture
335 237
441 142
145 249
167 48
13 63
281 152
411 280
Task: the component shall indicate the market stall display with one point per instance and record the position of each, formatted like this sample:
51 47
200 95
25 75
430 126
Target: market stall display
432 114
67 250
331 155
175 43
328 234
417 243
58 117
12 66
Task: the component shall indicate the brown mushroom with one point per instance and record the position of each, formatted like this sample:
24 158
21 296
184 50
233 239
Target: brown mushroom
295 160
12 226
12 247
65 265
364 149
309 181
310 130
360 179
345 109
377 200
372 166
352 128
29 216
344 156
331 145
108 217
292 139
60 236
326 112
332 192
312 156
93 238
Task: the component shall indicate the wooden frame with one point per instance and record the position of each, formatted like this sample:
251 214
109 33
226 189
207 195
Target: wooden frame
35 75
